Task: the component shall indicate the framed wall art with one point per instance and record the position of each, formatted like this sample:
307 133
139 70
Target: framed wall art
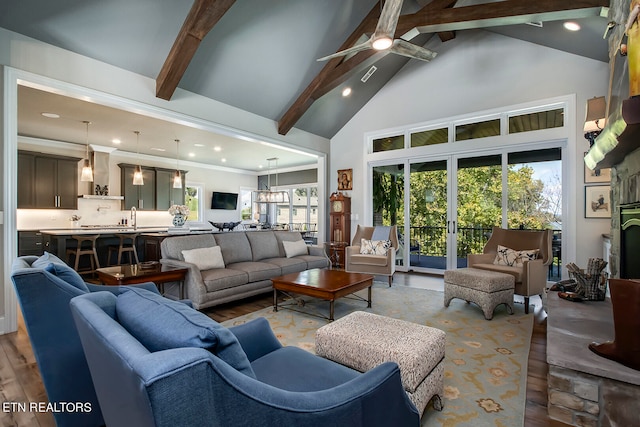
345 179
596 175
597 202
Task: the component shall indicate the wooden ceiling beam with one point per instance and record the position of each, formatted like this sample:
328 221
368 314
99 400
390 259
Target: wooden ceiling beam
202 17
508 12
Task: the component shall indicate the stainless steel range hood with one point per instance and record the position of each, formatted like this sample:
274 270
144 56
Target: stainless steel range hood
100 163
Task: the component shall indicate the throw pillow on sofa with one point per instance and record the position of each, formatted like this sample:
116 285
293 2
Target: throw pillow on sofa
46 259
513 258
160 324
295 248
205 258
374 247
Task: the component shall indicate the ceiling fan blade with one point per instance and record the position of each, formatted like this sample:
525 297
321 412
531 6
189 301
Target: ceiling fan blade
388 19
357 48
404 48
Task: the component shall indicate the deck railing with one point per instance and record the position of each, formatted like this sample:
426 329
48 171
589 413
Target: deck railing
432 241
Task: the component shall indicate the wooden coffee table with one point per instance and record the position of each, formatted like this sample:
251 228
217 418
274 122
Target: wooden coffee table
328 285
159 274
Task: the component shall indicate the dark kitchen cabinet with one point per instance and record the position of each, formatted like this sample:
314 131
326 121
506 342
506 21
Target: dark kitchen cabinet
143 197
47 181
30 243
166 195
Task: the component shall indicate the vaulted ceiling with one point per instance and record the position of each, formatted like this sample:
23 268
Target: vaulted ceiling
260 55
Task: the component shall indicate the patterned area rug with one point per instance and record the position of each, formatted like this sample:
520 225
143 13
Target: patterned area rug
485 361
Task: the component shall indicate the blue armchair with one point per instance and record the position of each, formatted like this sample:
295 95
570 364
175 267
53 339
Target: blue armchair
155 363
44 287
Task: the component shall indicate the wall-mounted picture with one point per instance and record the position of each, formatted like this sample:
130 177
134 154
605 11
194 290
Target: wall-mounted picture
596 175
597 203
345 181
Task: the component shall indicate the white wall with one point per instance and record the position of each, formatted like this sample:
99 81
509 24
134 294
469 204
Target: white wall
479 71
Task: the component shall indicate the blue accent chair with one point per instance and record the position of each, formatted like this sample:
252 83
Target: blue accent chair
44 286
238 376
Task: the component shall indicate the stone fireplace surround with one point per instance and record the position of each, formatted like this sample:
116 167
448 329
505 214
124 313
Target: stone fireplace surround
585 389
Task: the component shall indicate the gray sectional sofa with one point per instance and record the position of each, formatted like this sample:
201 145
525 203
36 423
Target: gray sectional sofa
251 259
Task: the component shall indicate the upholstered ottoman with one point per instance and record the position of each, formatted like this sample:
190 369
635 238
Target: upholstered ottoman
364 340
486 288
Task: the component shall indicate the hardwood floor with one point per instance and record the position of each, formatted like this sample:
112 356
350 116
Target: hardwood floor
20 379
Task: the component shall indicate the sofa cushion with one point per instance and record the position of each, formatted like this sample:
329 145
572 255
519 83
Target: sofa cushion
223 278
263 245
257 271
288 265
173 246
235 247
46 259
314 261
513 258
374 247
67 274
204 258
295 248
161 324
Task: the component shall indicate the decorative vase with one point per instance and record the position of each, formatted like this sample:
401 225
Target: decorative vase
178 220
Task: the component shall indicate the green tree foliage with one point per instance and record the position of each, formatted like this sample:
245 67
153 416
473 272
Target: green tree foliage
479 204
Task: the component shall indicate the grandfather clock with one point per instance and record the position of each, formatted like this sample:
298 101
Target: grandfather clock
340 229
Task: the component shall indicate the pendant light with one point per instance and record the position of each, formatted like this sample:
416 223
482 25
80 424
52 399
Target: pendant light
137 174
177 178
87 171
269 195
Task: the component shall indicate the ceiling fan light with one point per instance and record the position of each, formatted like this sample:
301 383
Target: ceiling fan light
177 180
87 172
382 43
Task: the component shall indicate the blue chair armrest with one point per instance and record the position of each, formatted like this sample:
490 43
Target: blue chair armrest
375 398
256 338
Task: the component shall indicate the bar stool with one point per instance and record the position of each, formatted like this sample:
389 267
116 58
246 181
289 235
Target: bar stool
124 247
86 249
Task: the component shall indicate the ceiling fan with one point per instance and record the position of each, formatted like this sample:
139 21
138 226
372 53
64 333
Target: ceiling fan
382 37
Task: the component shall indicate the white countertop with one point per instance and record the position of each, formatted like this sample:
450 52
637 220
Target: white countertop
97 230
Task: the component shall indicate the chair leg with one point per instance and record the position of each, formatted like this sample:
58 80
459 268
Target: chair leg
390 280
526 305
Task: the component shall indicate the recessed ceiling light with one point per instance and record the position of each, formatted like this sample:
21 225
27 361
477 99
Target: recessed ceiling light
260 166
346 91
198 145
224 160
51 115
216 148
158 149
116 140
571 26
192 154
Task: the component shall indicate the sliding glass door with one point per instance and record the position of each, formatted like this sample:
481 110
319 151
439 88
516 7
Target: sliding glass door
478 203
445 208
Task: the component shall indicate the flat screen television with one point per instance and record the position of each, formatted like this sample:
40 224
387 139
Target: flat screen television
228 201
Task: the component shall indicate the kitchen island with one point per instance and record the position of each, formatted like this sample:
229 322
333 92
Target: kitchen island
56 240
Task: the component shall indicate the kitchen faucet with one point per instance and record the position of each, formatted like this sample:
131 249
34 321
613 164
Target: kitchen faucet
134 221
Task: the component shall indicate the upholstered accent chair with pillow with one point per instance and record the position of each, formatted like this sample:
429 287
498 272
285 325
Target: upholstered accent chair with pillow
373 251
156 363
524 254
44 286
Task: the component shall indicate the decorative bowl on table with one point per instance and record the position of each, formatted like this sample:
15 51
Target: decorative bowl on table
147 265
